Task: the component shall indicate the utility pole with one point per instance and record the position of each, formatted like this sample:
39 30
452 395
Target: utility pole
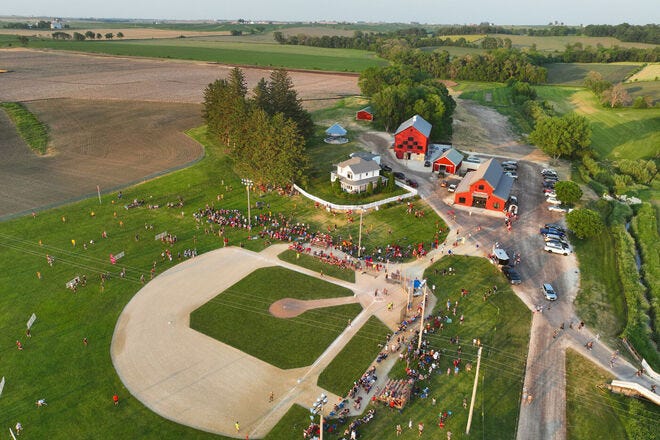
317 408
421 323
474 392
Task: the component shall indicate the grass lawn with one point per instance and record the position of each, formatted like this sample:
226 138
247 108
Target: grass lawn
573 74
313 263
33 131
354 359
227 52
502 323
285 343
594 412
600 301
79 382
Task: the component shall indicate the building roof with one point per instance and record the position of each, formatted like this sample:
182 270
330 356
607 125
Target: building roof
336 130
453 156
491 171
358 165
367 109
418 123
365 155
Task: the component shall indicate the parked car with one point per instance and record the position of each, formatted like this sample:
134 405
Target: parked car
553 200
510 164
451 188
549 172
511 274
557 247
550 185
509 169
512 174
473 159
559 208
555 237
427 163
412 183
549 292
550 193
385 167
546 231
513 200
399 176
555 226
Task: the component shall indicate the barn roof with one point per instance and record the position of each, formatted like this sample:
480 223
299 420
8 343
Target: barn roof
490 171
453 156
365 155
418 123
503 189
336 130
359 165
367 109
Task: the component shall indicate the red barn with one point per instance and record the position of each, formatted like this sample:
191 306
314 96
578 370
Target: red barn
411 139
487 187
449 162
366 114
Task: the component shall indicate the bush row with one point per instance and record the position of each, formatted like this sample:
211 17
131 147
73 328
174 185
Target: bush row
645 229
637 329
33 131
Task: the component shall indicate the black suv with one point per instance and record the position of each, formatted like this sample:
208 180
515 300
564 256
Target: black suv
511 274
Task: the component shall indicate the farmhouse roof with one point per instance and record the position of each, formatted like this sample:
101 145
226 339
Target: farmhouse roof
365 155
358 165
453 156
418 123
336 130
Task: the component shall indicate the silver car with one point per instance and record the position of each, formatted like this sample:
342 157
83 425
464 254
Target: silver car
548 292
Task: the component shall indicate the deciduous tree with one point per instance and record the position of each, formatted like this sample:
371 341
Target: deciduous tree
568 191
566 136
584 223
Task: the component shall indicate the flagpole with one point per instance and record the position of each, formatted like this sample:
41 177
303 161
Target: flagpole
98 191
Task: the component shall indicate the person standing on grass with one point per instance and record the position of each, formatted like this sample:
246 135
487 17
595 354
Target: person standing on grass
398 430
237 426
19 428
115 399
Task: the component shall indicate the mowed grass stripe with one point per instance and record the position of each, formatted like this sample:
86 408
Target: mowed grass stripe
239 317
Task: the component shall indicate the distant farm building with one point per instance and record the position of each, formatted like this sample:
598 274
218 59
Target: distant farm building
366 114
449 162
487 187
336 135
411 139
355 174
56 24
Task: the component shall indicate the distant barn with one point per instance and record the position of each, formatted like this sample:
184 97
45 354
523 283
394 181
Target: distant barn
366 114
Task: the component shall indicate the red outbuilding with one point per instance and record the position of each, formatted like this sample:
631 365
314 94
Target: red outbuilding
487 187
449 162
411 139
366 114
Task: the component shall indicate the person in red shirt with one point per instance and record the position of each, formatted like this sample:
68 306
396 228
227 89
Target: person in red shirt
115 399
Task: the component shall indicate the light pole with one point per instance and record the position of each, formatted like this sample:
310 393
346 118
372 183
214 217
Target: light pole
248 184
421 324
360 234
317 408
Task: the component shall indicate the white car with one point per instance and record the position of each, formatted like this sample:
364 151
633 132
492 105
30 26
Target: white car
551 194
512 174
549 292
473 159
451 188
557 208
553 200
556 247
510 163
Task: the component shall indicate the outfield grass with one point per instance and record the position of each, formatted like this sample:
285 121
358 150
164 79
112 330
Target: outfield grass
354 359
573 74
315 264
227 52
502 323
239 317
32 130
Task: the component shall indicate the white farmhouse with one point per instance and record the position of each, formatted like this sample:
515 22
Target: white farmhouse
355 174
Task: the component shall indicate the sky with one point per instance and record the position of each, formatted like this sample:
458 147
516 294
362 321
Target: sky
503 12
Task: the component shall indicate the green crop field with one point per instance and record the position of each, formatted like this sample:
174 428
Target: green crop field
650 72
573 74
227 52
650 89
559 43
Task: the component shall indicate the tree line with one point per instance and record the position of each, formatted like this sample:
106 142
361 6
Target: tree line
265 134
399 92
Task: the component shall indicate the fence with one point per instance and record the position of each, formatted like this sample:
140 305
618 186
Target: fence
412 192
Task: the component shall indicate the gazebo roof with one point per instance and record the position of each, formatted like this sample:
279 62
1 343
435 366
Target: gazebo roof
336 130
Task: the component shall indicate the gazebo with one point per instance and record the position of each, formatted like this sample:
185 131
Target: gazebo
336 135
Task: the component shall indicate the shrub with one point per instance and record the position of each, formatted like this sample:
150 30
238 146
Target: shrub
584 222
